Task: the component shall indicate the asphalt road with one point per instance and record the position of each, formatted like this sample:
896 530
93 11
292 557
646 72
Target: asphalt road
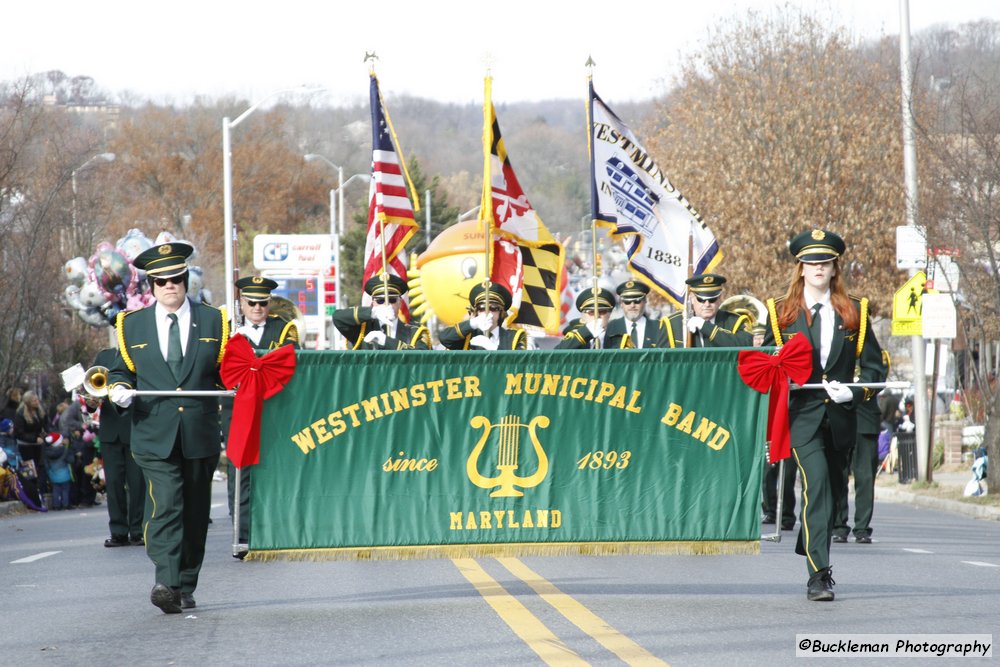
67 600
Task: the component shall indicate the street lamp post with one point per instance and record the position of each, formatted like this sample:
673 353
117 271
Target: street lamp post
336 209
229 227
104 157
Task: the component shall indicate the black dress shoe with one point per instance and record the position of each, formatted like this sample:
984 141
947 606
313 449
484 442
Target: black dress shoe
840 539
863 539
116 541
166 598
187 601
820 586
788 525
137 541
768 518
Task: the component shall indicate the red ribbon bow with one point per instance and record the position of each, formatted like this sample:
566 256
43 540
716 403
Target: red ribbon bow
771 372
258 378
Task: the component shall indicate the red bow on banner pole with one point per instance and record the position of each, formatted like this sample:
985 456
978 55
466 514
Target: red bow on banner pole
258 378
771 372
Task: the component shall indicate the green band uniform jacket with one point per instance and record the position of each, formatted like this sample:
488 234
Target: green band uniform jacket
655 334
729 330
156 420
355 323
459 337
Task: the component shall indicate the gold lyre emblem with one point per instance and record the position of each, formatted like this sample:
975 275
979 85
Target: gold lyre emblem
508 445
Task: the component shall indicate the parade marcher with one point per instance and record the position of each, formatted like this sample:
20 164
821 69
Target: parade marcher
489 303
822 422
379 327
174 344
863 464
591 330
124 485
266 332
709 326
643 331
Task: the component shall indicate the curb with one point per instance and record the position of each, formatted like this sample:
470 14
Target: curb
942 504
12 507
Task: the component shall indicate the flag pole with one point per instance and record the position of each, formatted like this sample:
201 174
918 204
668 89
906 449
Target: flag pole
594 290
486 200
371 58
688 336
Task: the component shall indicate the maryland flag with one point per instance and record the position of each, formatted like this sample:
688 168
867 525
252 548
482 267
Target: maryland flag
525 256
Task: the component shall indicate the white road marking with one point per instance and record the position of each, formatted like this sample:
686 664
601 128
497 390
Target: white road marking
32 559
918 551
980 563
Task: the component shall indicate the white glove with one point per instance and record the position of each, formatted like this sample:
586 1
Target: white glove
484 342
838 392
121 395
695 324
481 322
376 337
595 329
384 314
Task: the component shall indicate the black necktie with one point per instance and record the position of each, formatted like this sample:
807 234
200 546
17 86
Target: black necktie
256 326
175 354
635 336
816 334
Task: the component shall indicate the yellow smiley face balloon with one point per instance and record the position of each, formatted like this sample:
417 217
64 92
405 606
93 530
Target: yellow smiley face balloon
452 264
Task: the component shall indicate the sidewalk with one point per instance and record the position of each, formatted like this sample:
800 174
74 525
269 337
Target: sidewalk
888 489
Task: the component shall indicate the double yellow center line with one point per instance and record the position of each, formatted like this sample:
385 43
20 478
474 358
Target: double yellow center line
533 632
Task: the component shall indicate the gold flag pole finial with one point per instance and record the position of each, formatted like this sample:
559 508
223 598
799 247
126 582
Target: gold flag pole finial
590 65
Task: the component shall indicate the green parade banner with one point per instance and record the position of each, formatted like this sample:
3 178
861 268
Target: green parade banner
428 454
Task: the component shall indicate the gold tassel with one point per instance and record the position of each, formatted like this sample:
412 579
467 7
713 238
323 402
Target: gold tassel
694 548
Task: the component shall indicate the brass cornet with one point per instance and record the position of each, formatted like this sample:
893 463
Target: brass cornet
95 381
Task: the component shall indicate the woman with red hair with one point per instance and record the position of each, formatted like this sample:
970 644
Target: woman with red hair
822 422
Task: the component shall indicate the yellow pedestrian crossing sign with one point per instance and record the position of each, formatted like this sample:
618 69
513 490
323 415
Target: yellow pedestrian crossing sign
907 306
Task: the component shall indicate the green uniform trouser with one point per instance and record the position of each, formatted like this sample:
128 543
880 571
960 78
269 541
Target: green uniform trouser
863 465
244 531
821 468
178 505
770 502
124 488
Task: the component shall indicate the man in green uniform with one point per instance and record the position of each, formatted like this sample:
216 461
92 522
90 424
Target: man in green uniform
124 486
265 332
862 462
175 344
709 326
595 306
484 330
379 327
822 422
643 331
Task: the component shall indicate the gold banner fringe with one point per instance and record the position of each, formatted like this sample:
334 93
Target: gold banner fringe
708 548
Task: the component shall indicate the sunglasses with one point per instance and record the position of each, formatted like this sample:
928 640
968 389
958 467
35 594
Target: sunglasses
176 280
711 299
492 309
380 300
261 304
631 302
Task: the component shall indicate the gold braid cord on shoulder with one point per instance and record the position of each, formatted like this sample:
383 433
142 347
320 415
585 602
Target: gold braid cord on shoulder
225 333
421 333
772 314
518 339
862 328
120 331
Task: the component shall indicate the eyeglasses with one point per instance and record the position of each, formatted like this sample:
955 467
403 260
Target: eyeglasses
380 300
258 304
631 302
176 280
711 299
492 309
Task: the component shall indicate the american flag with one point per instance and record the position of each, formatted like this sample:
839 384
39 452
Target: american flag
387 202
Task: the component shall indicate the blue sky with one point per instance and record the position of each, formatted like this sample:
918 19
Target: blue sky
171 52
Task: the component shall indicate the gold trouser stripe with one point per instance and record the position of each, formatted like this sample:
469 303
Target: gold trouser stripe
145 526
524 624
805 509
577 614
